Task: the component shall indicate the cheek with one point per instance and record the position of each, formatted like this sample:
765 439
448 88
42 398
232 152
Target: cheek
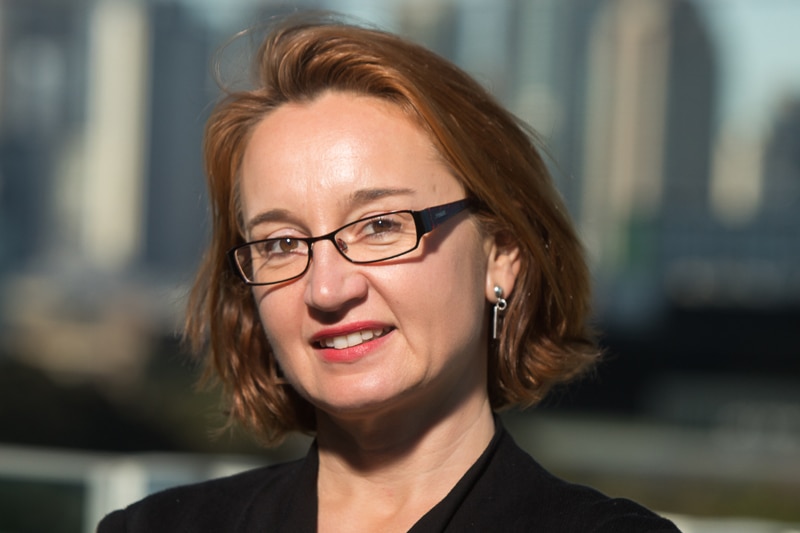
452 291
280 338
276 317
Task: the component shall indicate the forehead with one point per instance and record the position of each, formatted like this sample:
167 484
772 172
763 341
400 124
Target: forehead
334 126
334 145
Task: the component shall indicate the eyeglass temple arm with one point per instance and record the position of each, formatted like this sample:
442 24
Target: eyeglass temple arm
433 217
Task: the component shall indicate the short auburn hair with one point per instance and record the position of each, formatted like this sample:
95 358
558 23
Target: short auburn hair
545 337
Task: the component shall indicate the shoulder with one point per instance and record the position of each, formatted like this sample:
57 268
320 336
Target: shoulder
599 513
525 495
215 505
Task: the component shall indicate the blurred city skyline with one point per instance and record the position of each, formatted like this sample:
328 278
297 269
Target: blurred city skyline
675 131
760 68
102 106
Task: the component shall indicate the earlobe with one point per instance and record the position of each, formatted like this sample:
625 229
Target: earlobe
503 267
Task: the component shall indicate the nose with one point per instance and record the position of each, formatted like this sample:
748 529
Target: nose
332 282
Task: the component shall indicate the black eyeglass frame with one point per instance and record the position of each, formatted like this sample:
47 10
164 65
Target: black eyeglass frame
425 221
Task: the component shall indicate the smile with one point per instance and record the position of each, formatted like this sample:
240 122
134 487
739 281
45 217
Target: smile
341 342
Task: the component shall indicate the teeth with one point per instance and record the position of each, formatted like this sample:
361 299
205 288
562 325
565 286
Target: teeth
340 342
352 339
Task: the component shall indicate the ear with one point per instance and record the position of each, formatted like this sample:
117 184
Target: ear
503 264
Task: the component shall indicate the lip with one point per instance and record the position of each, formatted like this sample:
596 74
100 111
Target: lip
350 354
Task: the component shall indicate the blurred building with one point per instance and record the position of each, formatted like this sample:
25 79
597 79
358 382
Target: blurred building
745 251
782 165
101 182
42 57
650 105
181 92
102 107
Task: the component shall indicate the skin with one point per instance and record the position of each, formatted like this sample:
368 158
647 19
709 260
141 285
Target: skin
408 408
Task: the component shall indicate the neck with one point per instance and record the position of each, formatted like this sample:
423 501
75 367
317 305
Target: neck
399 452
385 458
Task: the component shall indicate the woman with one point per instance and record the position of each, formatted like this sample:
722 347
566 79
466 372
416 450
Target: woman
390 264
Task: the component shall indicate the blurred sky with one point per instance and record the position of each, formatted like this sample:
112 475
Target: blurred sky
758 44
759 50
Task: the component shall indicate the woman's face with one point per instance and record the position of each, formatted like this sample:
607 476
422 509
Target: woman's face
408 331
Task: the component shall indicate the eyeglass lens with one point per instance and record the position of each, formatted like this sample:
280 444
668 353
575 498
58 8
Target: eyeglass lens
364 241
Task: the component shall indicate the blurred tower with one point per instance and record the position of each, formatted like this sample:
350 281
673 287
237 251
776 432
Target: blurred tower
649 116
181 95
776 239
552 57
782 166
41 57
686 227
112 202
627 109
690 106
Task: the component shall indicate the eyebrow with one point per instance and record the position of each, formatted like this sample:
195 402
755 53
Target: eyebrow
356 199
268 216
365 196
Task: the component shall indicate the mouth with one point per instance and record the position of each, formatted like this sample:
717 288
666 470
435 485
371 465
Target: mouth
341 342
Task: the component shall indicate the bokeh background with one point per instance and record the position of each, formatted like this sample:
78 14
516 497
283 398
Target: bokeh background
675 132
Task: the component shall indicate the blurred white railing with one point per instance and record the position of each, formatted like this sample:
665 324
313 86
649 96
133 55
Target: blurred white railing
112 481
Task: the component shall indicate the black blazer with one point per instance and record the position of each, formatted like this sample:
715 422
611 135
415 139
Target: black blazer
504 491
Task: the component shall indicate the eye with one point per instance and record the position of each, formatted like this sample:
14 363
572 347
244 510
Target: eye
284 245
288 245
383 224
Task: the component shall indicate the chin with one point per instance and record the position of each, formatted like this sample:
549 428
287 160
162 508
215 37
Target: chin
354 404
366 401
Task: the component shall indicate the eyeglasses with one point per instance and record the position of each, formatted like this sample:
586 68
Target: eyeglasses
369 240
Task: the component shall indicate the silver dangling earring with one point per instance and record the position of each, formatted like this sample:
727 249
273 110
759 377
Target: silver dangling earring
499 308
